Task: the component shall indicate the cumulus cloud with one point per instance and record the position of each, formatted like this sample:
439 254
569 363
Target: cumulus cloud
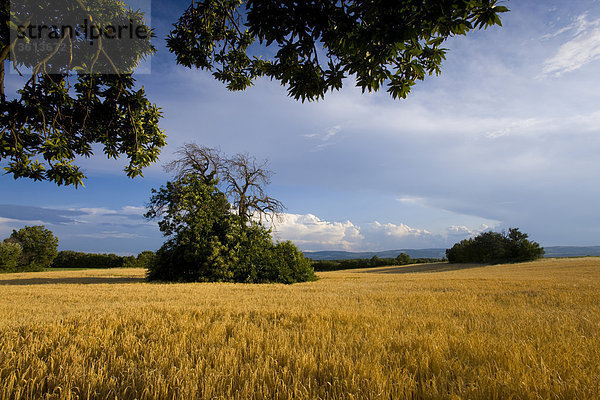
312 233
582 49
399 231
124 231
464 232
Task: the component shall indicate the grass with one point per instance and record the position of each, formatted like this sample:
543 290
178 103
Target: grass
432 331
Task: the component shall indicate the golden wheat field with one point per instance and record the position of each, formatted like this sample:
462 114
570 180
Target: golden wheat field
435 331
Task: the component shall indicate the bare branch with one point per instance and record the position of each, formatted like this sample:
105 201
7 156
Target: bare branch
194 159
242 178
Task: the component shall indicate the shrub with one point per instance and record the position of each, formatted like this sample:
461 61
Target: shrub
494 247
290 265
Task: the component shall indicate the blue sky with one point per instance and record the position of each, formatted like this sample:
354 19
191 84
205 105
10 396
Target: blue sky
508 135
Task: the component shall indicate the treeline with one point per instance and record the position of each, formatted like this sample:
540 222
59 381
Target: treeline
34 248
401 259
76 259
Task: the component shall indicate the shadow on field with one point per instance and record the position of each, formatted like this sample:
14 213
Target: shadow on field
421 268
78 280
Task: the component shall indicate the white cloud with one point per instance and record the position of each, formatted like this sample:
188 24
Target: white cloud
463 231
557 33
131 210
324 137
7 225
399 231
517 126
310 232
111 235
332 132
103 229
96 211
411 200
581 50
580 24
321 146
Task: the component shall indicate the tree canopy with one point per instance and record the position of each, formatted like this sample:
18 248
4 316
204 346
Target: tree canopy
76 97
312 46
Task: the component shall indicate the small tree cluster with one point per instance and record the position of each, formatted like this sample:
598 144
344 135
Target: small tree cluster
209 241
32 248
494 247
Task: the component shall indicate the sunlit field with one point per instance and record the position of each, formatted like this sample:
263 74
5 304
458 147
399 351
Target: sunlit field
429 331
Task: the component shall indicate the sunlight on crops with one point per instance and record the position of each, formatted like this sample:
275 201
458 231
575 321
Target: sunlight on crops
429 331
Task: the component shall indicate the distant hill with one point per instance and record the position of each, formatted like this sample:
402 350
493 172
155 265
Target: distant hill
572 251
551 251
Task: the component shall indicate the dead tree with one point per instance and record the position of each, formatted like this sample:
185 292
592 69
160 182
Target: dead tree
242 178
195 159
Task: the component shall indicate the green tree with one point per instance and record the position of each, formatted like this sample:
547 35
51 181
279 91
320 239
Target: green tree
10 254
75 259
197 218
494 247
521 249
143 260
402 259
207 241
290 264
146 259
375 261
312 46
39 247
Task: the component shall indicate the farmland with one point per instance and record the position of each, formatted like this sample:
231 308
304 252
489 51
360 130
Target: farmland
420 331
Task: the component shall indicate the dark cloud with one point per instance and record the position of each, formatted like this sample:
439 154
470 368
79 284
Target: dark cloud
46 215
